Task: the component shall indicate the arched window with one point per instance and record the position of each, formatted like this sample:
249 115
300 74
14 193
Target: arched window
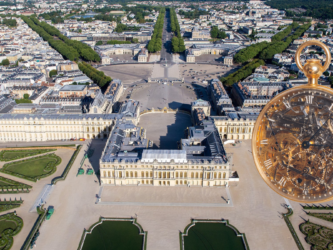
159 175
176 174
200 175
224 175
192 175
126 173
136 174
197 175
142 174
220 175
214 175
131 173
109 174
185 174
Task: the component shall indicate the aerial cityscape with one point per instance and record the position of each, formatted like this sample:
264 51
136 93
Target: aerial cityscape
159 125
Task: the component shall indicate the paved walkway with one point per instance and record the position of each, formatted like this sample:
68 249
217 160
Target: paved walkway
157 204
42 197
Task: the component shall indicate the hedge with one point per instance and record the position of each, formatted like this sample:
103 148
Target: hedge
68 167
6 240
7 205
291 228
13 185
41 217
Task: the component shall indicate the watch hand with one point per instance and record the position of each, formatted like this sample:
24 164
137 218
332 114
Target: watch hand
269 122
307 176
319 129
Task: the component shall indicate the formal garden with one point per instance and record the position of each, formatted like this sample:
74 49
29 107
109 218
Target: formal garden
8 186
33 169
10 155
323 216
212 234
10 225
319 237
9 204
109 234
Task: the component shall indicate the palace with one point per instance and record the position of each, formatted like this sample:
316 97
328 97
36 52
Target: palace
200 161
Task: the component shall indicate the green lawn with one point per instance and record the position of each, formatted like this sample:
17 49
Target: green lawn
34 168
114 235
212 236
9 155
7 224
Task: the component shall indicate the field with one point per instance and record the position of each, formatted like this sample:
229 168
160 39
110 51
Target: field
211 236
112 235
9 155
34 168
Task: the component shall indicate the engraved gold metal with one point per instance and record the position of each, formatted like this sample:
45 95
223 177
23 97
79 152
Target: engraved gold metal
292 140
313 68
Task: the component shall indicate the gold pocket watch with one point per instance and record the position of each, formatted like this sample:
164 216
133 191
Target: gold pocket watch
292 141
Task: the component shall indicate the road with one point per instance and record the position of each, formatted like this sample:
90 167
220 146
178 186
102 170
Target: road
166 56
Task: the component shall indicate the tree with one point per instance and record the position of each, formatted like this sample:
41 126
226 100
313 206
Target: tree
221 35
5 62
53 72
175 44
330 79
326 73
99 43
26 96
214 32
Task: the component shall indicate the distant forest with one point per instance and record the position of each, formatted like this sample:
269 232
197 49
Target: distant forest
321 9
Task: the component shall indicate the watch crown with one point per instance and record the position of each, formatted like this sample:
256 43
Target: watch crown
313 68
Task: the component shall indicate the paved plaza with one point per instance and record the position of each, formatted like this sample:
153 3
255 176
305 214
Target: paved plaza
158 95
169 129
203 72
128 73
164 196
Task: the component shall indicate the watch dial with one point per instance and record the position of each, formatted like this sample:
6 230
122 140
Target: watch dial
293 144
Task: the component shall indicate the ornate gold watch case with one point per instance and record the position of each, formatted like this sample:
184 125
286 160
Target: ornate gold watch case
292 140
